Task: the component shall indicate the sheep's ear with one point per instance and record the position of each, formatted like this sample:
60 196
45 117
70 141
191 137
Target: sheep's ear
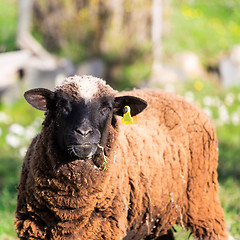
136 105
39 98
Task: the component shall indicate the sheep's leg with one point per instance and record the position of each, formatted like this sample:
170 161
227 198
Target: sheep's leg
204 214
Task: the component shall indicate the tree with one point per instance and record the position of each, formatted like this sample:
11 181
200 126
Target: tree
157 9
24 37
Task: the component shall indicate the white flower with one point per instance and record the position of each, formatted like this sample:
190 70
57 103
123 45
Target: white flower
37 123
13 140
169 88
229 99
216 102
22 151
208 111
223 114
17 129
30 132
208 101
189 96
235 119
4 118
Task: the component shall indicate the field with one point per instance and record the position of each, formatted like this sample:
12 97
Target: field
19 123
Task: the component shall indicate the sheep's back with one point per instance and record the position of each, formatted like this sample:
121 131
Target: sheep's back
163 151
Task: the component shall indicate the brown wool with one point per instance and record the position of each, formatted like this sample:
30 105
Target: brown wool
161 172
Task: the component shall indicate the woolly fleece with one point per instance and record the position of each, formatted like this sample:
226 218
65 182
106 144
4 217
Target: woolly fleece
161 172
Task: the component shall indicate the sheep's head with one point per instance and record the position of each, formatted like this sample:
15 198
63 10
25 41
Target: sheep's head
83 108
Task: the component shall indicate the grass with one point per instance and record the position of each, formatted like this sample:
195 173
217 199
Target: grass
230 195
210 28
8 25
11 160
229 151
9 174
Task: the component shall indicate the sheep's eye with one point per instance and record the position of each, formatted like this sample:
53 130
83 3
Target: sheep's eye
64 106
105 110
65 109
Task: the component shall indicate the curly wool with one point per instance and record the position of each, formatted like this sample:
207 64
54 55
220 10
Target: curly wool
160 172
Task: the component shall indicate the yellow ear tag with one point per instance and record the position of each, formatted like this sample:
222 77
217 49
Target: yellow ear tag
127 118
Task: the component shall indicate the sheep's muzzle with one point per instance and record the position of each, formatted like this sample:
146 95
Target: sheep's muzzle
86 150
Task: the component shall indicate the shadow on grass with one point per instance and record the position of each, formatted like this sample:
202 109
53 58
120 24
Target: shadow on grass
229 162
229 179
10 168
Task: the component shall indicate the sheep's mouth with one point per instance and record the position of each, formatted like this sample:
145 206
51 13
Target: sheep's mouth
86 150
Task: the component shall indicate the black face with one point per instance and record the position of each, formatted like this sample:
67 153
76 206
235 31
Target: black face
83 126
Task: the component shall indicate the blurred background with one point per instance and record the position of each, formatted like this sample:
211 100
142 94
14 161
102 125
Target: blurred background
191 47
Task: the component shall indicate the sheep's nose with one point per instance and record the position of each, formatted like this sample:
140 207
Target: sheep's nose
84 131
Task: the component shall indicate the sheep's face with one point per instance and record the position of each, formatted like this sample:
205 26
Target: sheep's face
82 124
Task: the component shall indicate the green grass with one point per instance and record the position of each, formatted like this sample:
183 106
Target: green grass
229 162
10 160
9 175
230 195
210 27
229 152
8 25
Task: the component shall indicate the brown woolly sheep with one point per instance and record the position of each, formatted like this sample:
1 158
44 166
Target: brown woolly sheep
89 176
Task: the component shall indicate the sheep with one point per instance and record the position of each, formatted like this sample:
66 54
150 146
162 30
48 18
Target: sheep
89 176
